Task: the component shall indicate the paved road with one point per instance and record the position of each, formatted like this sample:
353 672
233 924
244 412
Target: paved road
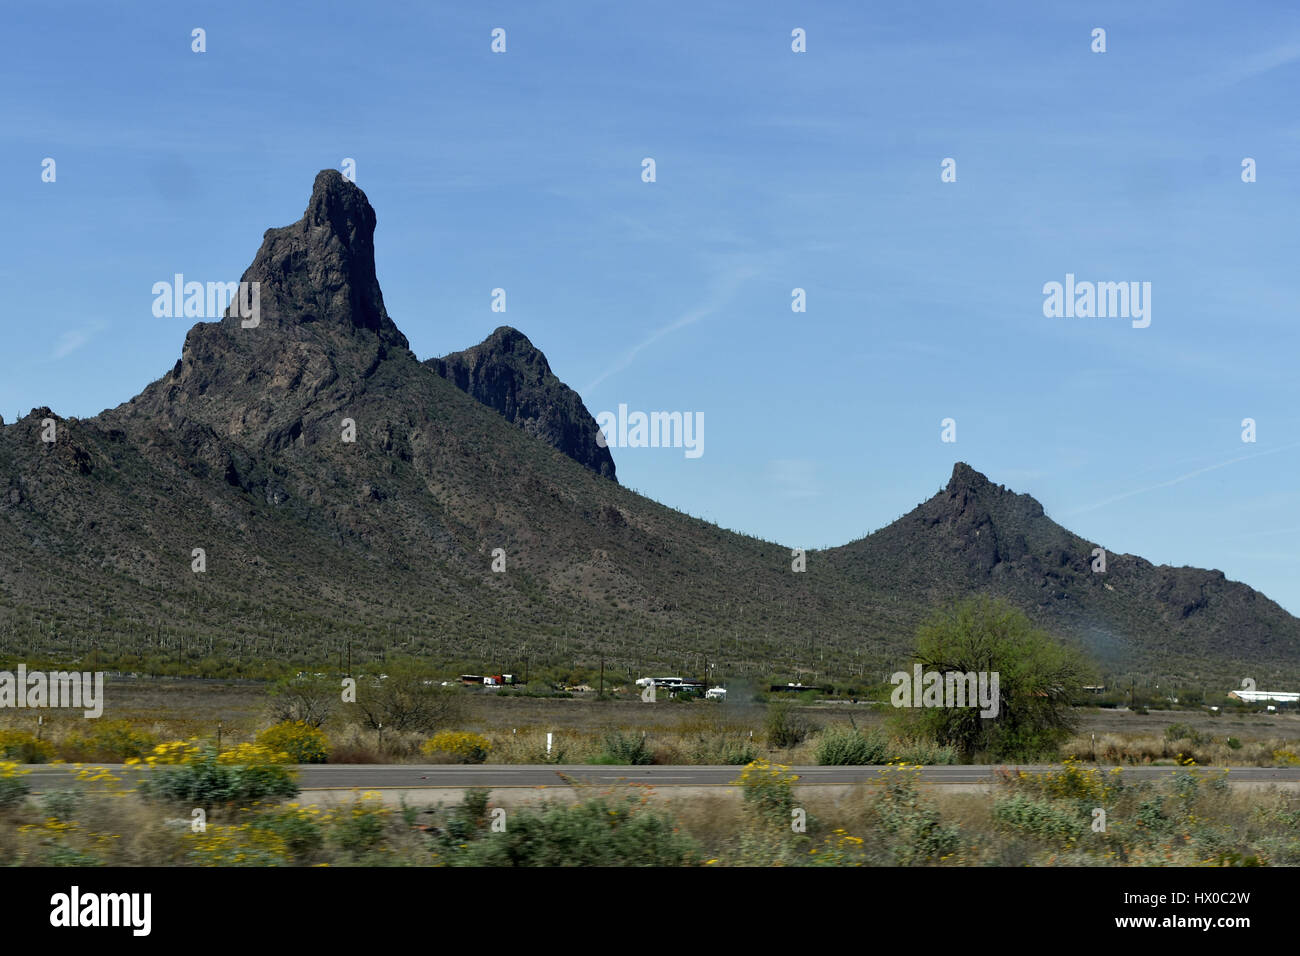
499 776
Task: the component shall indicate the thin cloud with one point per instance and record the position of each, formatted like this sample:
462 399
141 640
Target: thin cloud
1180 478
721 294
74 339
1264 62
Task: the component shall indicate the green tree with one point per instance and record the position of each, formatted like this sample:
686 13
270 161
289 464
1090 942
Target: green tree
1038 676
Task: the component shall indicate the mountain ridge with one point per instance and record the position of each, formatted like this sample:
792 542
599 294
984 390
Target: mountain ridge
386 542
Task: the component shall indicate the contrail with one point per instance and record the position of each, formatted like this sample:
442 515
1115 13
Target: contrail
715 301
1180 478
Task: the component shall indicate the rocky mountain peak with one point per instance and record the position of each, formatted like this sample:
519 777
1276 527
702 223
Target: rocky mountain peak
322 267
322 331
966 478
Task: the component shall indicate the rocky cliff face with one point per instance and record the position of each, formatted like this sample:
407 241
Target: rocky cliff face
322 333
507 372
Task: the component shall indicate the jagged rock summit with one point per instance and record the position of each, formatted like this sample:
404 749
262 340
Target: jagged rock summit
322 332
507 372
322 268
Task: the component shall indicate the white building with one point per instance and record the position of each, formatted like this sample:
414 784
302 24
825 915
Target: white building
1260 696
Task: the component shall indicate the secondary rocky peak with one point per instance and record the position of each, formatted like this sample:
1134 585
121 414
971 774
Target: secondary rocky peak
507 372
510 340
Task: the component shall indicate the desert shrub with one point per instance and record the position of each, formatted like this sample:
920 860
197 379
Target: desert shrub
12 786
248 772
298 827
458 745
406 701
1183 732
465 821
238 845
838 849
24 747
360 827
768 790
171 752
1073 781
1150 818
1040 818
112 741
598 832
785 726
920 836
625 749
304 699
921 752
302 742
727 750
61 804
252 754
842 747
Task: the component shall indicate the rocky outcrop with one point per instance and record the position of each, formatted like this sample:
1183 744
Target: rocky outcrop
507 372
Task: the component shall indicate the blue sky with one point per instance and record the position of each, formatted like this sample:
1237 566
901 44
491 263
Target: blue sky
775 170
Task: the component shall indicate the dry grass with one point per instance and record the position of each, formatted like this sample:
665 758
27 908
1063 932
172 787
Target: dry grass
693 733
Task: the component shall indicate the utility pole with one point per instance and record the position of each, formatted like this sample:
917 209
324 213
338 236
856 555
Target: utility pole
602 677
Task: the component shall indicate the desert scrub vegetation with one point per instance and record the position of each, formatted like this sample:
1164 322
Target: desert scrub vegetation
24 747
299 740
12 786
1180 741
786 726
1190 818
725 749
94 741
917 834
1089 816
457 746
200 775
839 746
776 827
623 748
599 831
